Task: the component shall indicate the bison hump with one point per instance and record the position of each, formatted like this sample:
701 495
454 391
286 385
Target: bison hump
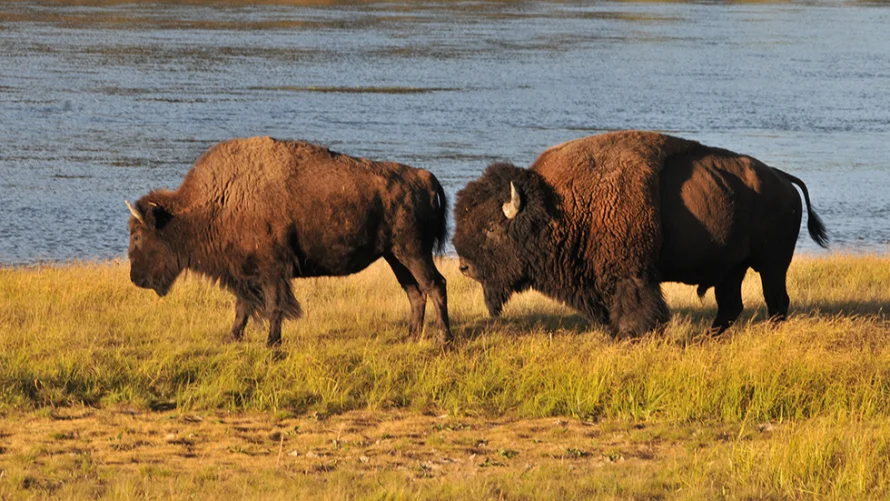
609 187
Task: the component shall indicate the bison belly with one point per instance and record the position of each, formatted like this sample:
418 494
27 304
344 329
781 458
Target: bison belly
337 237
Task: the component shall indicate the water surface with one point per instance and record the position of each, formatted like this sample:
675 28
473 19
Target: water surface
103 102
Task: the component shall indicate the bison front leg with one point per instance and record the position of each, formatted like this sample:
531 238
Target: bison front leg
243 310
279 304
637 307
271 294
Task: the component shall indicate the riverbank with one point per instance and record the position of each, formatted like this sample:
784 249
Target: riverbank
108 391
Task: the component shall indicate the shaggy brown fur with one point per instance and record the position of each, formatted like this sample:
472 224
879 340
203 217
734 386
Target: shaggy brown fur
605 219
255 213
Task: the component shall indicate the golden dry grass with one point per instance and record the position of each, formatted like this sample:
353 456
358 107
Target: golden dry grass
109 392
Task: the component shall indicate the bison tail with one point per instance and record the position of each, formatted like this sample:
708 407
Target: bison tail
815 226
440 208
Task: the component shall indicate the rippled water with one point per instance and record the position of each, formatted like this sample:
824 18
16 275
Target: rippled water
101 103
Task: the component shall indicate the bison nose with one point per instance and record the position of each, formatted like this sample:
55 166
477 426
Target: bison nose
139 281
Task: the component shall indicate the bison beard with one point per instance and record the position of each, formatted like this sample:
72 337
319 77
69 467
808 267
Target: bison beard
254 213
598 223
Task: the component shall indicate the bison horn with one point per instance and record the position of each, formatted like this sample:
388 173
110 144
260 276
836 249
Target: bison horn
512 207
135 212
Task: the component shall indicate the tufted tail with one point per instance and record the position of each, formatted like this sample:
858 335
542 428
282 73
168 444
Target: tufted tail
814 223
440 206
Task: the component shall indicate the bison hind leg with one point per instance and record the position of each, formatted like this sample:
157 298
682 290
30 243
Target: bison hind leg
418 276
415 296
637 307
728 294
775 291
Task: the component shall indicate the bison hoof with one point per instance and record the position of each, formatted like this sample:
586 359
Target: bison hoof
777 318
717 330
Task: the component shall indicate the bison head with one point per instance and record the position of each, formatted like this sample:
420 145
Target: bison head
153 262
502 218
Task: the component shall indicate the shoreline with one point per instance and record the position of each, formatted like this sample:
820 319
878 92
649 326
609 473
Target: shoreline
869 252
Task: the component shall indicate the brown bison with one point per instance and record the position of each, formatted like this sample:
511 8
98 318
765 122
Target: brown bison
598 223
254 213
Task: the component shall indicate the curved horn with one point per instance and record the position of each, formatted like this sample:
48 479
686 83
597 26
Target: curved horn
135 212
512 207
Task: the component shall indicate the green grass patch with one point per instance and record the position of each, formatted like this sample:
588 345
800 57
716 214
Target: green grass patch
797 410
83 335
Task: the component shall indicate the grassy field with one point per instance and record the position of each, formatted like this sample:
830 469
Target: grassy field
107 391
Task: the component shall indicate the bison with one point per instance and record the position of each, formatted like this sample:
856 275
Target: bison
254 213
599 222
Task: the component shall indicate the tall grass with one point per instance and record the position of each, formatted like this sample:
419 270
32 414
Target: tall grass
82 334
799 410
823 458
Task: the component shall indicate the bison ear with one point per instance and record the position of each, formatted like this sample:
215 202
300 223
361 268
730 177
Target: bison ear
157 216
512 207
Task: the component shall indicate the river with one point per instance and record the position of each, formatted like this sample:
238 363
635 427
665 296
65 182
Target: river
103 102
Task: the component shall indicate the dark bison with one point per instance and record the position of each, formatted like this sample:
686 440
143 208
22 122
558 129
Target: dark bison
597 223
254 213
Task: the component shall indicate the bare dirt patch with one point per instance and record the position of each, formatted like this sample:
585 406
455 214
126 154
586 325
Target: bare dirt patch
418 445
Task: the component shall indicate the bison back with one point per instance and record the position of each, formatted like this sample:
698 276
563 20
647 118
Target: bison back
322 212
